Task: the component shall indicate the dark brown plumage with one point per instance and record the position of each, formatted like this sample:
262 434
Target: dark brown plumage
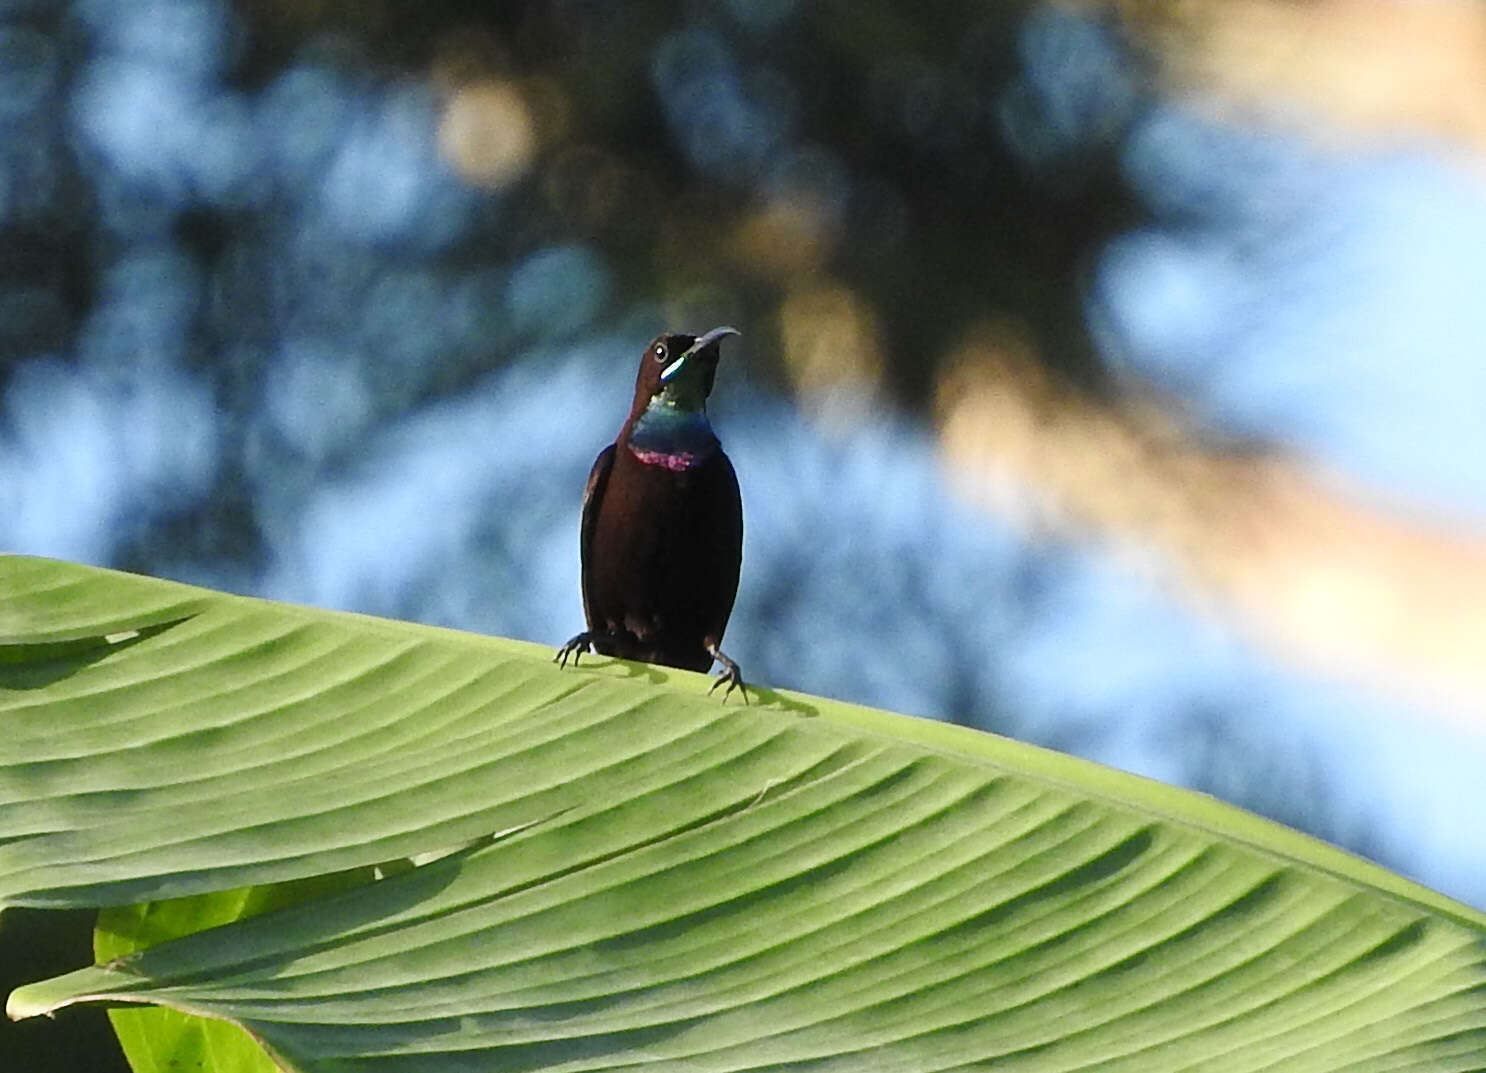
662 531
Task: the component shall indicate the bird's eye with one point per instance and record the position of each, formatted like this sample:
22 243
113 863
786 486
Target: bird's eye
659 352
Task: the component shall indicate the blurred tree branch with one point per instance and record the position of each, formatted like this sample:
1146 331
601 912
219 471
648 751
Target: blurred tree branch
1324 574
1376 67
1339 576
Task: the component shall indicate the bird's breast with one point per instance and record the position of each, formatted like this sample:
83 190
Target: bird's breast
676 440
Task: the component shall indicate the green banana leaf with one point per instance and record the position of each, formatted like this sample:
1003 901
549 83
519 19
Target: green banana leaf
616 871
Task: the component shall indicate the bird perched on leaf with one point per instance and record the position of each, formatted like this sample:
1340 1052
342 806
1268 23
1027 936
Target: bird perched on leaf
662 531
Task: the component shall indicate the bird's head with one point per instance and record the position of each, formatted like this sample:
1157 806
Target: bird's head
677 370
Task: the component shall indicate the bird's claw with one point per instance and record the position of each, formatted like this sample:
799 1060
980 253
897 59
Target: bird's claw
575 648
731 673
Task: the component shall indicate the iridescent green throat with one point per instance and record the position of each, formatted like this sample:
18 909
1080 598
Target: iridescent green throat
672 436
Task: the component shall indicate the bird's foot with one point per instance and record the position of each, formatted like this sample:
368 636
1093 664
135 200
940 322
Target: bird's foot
575 648
731 673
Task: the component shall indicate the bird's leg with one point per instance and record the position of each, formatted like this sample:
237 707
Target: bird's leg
731 673
575 647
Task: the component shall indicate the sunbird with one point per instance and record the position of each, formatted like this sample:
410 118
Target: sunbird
661 538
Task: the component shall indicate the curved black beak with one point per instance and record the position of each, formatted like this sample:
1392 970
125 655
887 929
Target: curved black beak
702 343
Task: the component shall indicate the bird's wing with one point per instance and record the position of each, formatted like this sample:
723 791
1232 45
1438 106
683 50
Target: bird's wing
728 505
593 495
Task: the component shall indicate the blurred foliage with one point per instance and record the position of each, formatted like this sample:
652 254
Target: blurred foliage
271 233
722 155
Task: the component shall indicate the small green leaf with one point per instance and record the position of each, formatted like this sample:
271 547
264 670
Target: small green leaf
158 1039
